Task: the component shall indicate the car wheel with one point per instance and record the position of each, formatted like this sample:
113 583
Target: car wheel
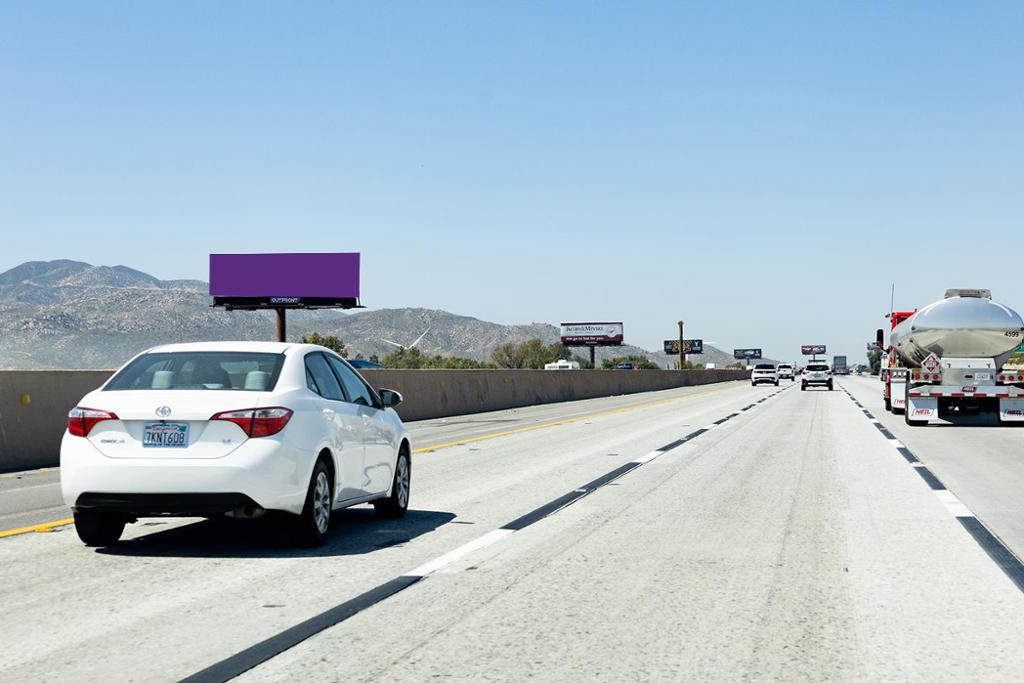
309 529
99 528
830 386
776 382
803 387
395 505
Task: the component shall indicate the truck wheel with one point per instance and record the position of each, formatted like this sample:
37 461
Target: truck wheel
913 423
888 405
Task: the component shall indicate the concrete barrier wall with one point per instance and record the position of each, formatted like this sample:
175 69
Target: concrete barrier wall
439 393
34 403
34 407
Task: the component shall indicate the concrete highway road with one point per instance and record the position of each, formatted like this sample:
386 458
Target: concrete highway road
704 533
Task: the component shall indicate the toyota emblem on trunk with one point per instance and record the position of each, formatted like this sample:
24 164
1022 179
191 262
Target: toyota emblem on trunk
163 411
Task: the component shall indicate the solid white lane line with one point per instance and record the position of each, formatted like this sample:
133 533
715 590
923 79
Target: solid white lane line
443 561
953 503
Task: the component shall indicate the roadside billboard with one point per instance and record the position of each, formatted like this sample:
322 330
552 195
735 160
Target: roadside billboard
746 354
690 346
812 349
592 334
288 280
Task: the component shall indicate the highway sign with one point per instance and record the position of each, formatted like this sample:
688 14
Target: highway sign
690 346
747 354
812 349
1020 349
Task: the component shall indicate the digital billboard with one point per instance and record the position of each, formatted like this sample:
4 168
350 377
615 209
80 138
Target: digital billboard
746 354
592 334
288 280
690 346
812 349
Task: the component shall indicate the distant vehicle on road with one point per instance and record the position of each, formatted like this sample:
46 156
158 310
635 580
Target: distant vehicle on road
948 359
562 365
764 373
786 371
625 366
363 364
816 375
238 429
839 366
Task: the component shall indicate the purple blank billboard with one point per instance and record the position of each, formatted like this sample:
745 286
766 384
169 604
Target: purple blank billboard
323 276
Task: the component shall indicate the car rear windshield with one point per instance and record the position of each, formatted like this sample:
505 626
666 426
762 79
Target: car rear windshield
785 367
201 370
818 368
763 366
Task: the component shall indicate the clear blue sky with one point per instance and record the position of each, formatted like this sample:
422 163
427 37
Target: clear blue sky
762 170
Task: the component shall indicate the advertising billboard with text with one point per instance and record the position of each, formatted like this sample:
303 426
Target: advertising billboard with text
314 279
812 349
746 354
690 346
592 334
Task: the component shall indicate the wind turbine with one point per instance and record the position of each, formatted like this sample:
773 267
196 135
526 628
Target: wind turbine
410 346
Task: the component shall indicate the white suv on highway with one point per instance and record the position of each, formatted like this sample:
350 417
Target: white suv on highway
786 371
764 373
237 429
817 374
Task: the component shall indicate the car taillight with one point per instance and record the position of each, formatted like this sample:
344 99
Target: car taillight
256 422
82 420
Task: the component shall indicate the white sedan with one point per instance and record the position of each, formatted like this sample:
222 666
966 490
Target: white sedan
237 429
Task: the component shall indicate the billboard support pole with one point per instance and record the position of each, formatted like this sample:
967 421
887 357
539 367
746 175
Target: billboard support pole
281 326
682 353
593 363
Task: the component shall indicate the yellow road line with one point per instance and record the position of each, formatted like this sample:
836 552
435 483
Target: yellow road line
37 528
569 420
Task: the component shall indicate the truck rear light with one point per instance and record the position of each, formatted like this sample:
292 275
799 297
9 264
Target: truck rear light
257 422
82 420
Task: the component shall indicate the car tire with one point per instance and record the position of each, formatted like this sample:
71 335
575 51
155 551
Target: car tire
309 529
395 505
830 386
776 382
803 387
97 528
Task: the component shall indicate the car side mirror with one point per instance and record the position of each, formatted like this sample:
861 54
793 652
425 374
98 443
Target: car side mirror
390 398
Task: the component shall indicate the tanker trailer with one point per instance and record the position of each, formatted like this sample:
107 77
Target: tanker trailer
954 351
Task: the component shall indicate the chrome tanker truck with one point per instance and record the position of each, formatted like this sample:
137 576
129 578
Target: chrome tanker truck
946 360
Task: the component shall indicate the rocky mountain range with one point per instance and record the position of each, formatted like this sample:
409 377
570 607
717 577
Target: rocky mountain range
69 314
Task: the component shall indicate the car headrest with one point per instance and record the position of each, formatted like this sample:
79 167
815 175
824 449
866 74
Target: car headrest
162 379
256 380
